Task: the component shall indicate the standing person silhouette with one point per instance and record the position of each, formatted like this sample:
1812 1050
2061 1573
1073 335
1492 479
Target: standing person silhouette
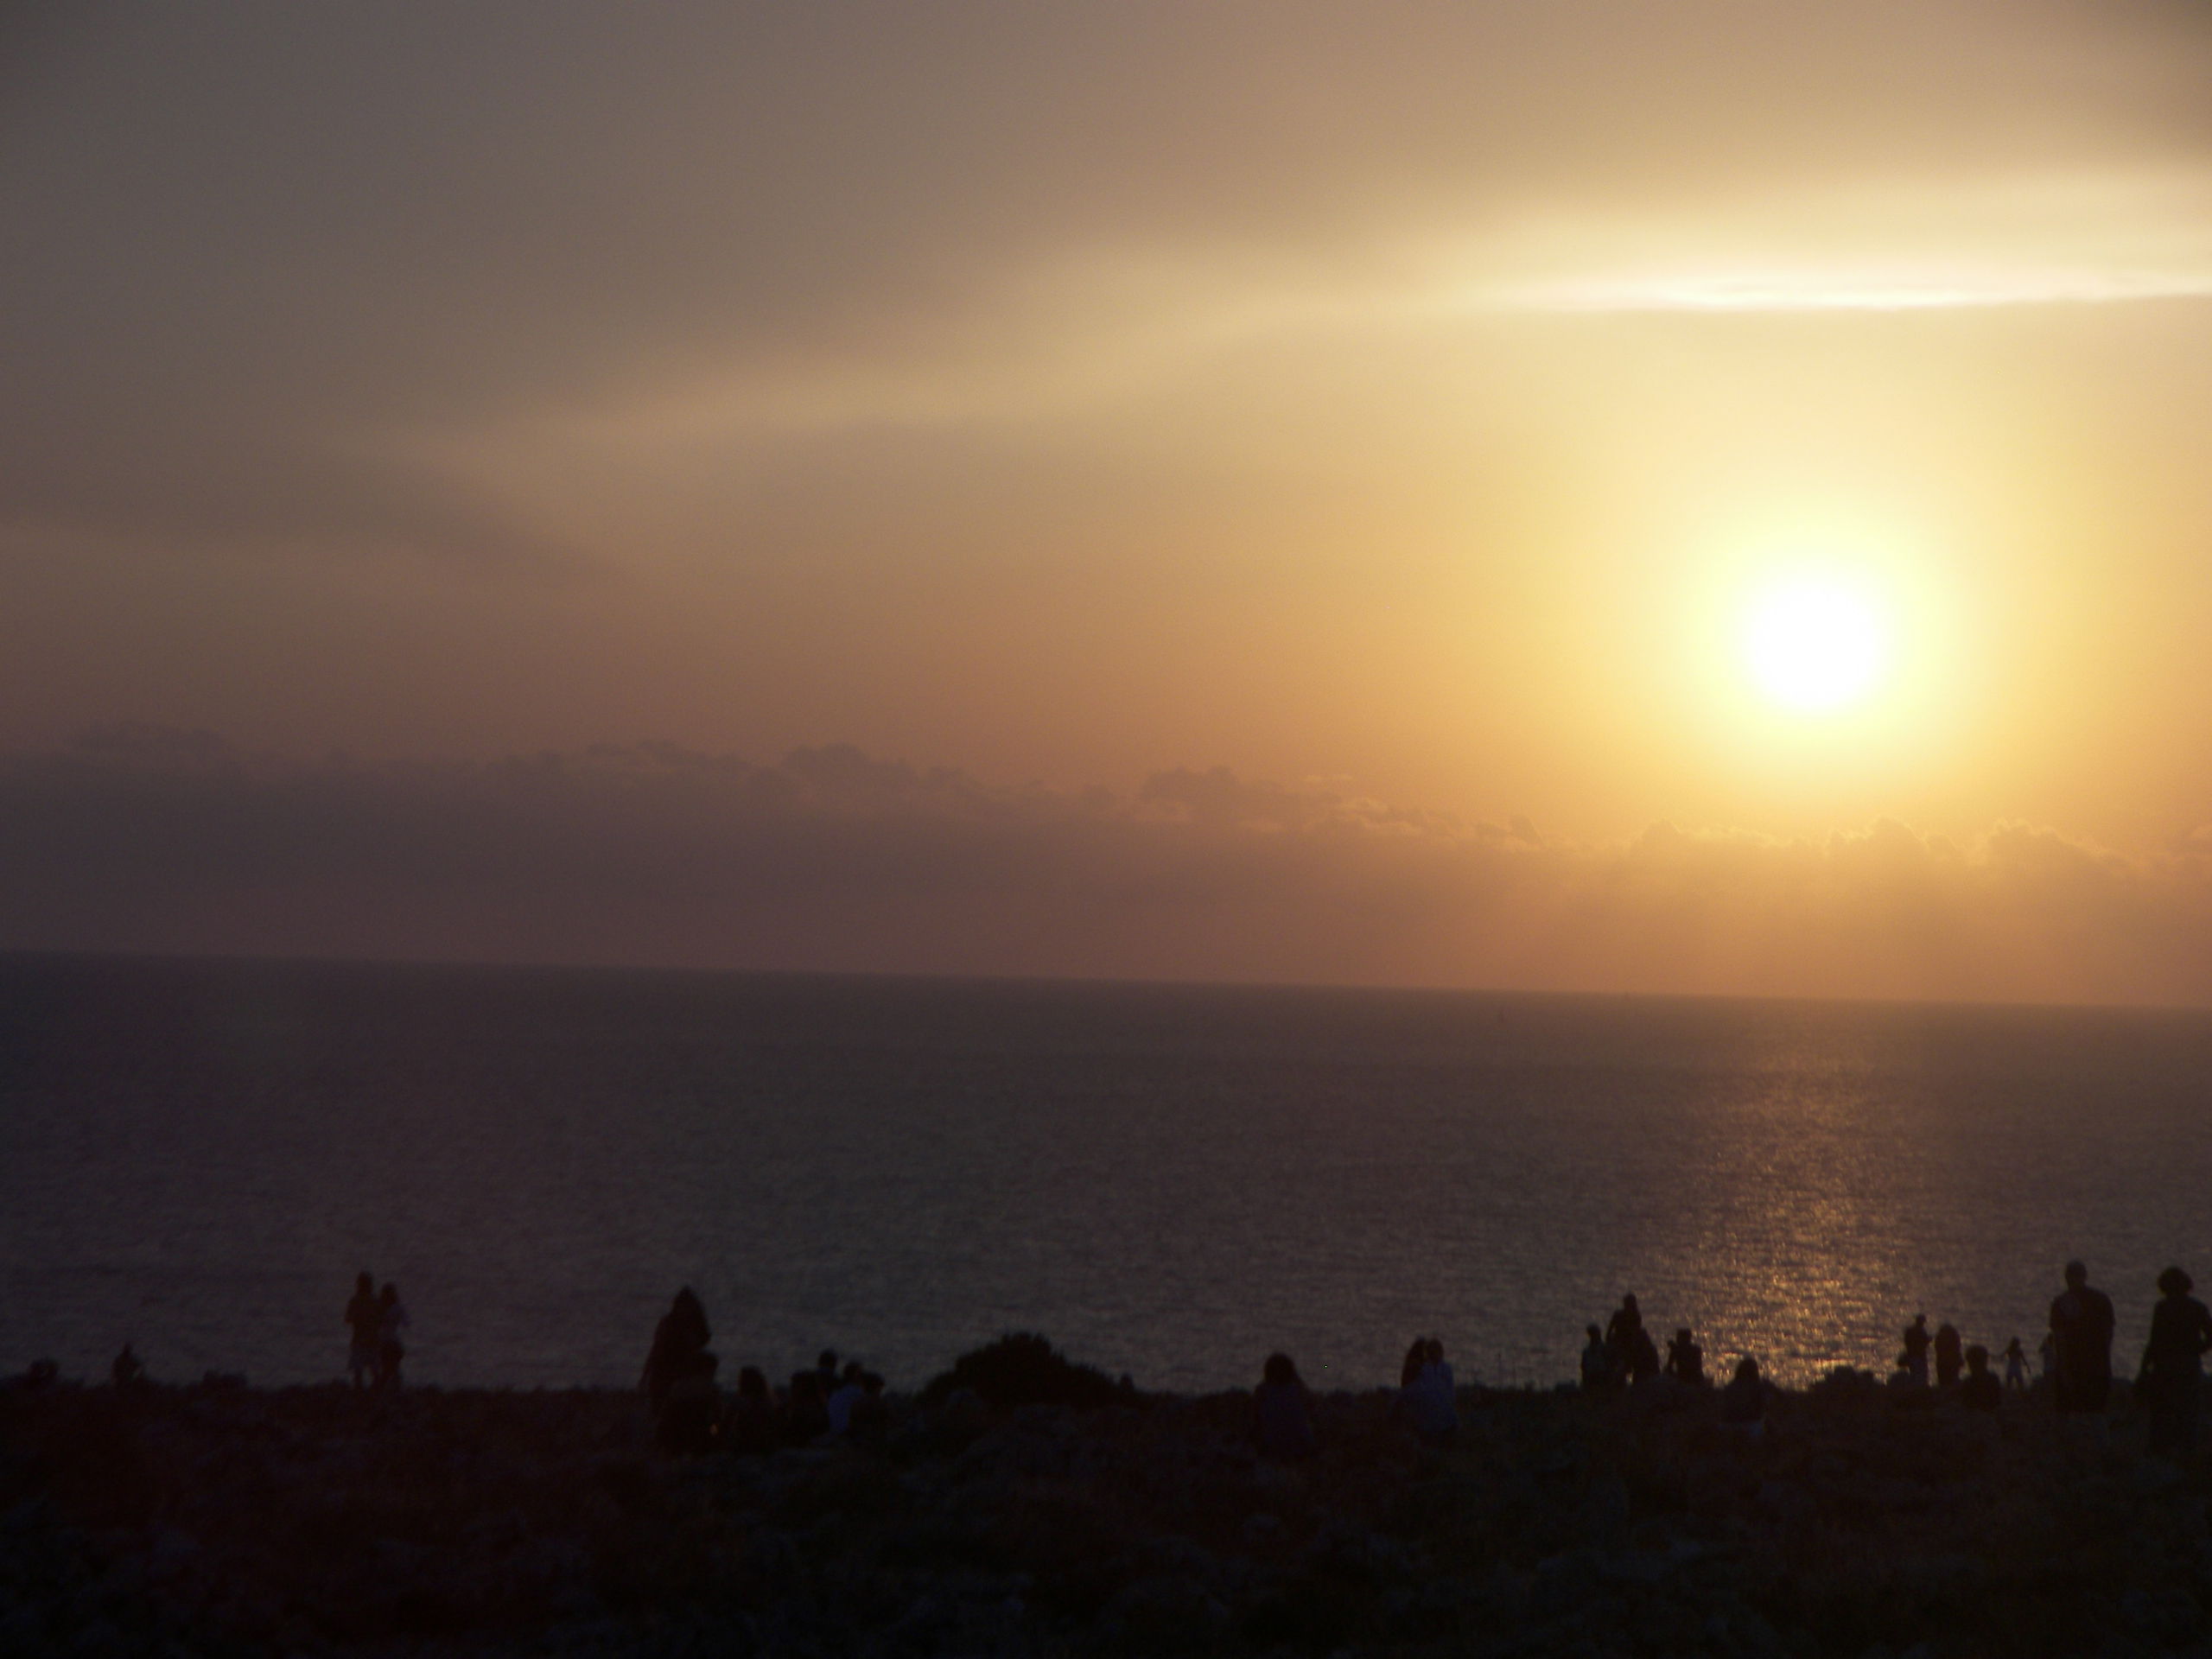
1430 1401
2172 1375
1625 1337
391 1331
2080 1331
1949 1355
1409 1367
1915 1357
679 1348
366 1320
2016 1368
1596 1360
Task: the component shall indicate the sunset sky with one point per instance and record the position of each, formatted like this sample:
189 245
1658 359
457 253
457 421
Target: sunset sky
1262 491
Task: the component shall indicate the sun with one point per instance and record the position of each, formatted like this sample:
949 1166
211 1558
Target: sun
1815 641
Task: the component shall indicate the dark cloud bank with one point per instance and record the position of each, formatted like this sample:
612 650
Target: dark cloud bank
163 841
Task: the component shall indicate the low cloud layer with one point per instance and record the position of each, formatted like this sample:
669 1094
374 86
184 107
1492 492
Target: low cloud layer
152 840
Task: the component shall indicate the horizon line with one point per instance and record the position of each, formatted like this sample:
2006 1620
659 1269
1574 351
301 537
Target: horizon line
17 953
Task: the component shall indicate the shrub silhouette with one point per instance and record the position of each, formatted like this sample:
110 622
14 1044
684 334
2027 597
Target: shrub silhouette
1023 1368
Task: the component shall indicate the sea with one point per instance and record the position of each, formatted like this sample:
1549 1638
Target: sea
1169 1182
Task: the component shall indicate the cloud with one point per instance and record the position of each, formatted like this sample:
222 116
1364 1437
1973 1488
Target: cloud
257 261
186 495
147 839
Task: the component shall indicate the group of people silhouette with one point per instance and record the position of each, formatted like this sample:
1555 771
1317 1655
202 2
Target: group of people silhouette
847 1399
1426 1403
1979 1389
679 1377
1622 1354
689 1415
378 1320
2077 1358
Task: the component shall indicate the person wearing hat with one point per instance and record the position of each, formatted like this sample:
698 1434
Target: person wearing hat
2172 1375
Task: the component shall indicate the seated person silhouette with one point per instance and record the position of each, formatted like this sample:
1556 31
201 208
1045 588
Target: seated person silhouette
1981 1391
1742 1402
806 1414
749 1431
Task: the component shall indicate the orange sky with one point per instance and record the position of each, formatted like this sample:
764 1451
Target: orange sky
1397 406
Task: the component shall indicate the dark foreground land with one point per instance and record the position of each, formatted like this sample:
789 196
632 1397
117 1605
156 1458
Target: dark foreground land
223 1520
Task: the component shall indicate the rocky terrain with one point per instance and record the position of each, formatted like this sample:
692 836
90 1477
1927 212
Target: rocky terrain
218 1519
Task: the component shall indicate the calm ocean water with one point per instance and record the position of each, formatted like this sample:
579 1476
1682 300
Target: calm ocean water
1167 1181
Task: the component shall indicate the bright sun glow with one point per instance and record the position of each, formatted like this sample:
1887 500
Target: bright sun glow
1815 642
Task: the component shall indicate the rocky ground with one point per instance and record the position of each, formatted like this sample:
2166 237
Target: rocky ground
221 1520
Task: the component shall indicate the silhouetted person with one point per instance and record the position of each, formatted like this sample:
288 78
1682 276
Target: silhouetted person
2016 1367
2080 1331
126 1371
679 1349
1914 1356
690 1415
1947 1355
364 1318
1280 1420
2173 1363
750 1429
1643 1355
825 1371
806 1418
1431 1402
392 1336
1409 1367
847 1395
1621 1331
1742 1402
1684 1359
1981 1391
870 1419
1596 1360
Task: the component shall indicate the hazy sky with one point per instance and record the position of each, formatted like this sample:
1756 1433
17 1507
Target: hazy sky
1383 416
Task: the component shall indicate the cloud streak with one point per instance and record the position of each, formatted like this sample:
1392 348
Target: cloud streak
242 253
143 839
